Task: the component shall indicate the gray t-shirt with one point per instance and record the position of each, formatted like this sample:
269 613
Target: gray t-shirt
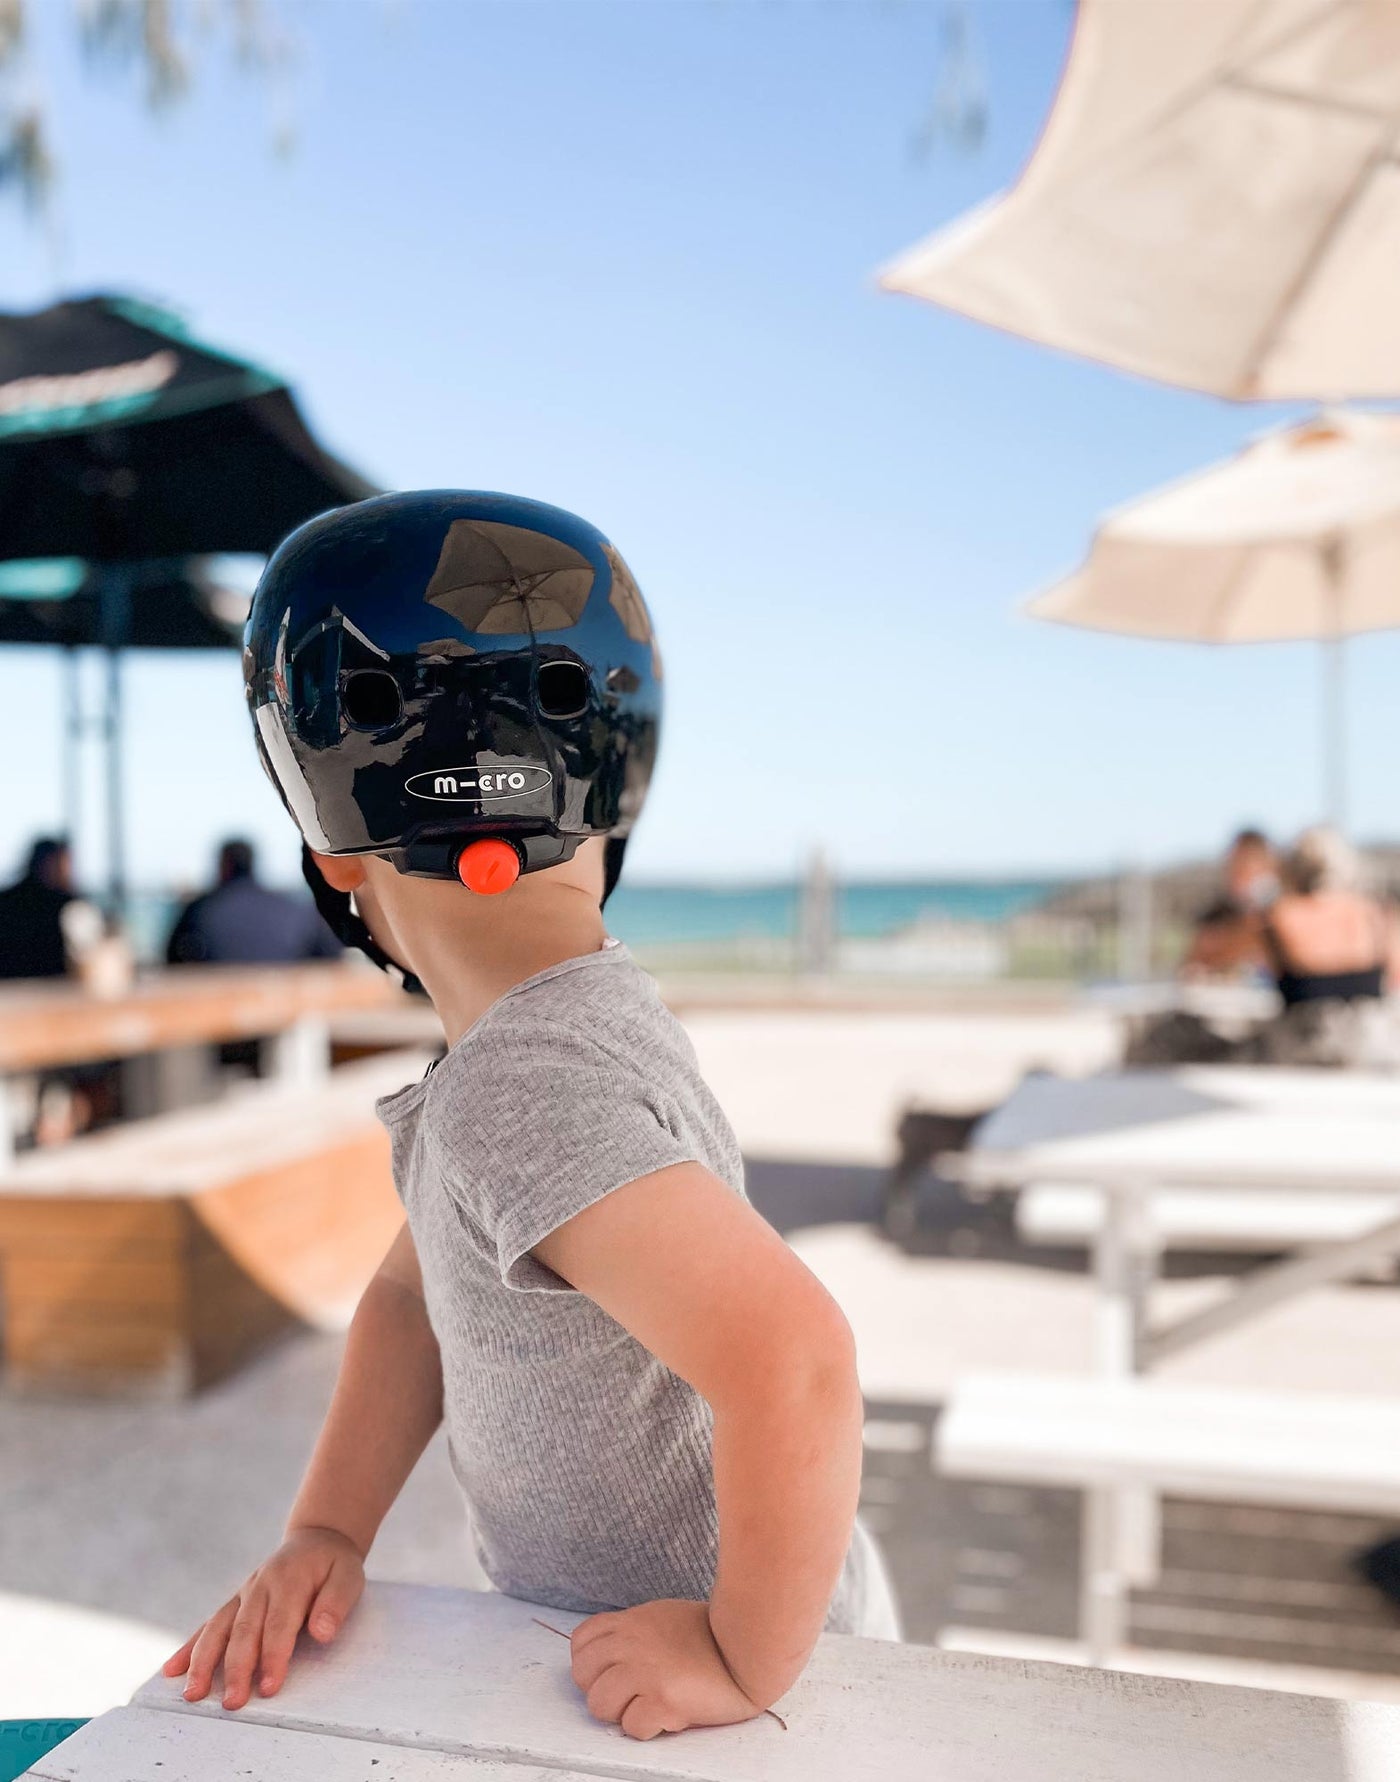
585 1463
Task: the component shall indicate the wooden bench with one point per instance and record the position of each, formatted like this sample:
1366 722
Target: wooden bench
431 1685
360 1033
157 1255
1254 1222
1127 1442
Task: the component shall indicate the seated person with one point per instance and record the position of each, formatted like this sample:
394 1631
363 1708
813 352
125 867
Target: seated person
1225 941
47 930
242 922
1323 939
1330 950
33 938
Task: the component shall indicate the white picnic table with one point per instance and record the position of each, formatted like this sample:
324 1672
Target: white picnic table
1134 1135
428 1685
1231 1005
1220 1128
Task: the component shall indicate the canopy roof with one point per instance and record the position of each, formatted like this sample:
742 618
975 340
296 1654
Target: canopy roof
186 604
123 438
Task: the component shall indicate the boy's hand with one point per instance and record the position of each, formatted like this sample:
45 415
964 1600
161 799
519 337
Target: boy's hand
656 1668
313 1580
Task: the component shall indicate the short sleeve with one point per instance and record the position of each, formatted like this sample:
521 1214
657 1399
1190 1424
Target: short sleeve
532 1125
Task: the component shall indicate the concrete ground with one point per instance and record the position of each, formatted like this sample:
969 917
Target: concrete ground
154 1513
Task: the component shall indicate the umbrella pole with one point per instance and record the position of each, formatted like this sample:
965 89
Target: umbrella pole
72 746
116 815
116 625
1334 741
1334 730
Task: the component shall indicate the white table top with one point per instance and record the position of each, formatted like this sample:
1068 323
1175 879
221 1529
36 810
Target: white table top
1207 1125
1229 1003
446 1684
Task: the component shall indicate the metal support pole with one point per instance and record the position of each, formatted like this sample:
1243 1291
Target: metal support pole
816 922
1334 716
1334 731
116 628
1120 1529
116 815
1134 926
72 745
299 1056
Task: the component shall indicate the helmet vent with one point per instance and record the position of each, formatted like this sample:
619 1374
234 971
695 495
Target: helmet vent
370 699
563 689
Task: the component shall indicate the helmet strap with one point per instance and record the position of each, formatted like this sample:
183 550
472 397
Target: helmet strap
613 850
338 912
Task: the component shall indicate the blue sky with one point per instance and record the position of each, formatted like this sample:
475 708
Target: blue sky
620 256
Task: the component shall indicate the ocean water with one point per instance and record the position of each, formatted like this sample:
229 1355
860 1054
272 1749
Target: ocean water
654 917
667 915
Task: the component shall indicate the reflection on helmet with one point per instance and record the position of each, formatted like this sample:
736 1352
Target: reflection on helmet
502 580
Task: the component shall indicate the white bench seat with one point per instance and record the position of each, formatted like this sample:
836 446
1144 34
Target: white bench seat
1262 1447
1252 1221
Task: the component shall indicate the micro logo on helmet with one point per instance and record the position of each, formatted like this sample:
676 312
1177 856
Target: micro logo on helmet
491 784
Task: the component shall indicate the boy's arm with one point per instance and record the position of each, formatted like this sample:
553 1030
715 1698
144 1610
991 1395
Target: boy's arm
387 1403
698 1277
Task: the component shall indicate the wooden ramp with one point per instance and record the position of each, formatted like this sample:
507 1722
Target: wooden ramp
157 1255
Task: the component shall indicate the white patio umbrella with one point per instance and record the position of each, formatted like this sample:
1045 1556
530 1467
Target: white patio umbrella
1297 537
1215 202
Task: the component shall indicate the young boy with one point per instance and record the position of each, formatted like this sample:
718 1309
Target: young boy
651 1405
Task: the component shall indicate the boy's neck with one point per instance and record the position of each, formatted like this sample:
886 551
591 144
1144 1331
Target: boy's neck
491 946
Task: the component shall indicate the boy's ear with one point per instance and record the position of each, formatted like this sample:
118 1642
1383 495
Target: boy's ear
342 872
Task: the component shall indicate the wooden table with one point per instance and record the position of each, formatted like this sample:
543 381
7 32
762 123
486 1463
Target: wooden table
455 1686
49 1023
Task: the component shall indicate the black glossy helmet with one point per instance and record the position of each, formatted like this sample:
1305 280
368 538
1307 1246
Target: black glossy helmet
466 684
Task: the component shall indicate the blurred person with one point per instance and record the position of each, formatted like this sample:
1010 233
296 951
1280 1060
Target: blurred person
1224 941
1310 929
1224 944
1322 938
48 931
1332 950
33 942
242 922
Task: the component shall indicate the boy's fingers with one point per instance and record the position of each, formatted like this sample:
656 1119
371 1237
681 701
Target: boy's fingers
590 1661
208 1649
179 1662
244 1644
611 1693
280 1632
644 1718
588 1631
335 1599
